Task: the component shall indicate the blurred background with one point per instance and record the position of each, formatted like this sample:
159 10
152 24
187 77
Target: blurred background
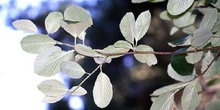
132 81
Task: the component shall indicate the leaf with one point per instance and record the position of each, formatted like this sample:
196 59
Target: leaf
180 65
86 50
217 4
36 43
189 30
173 74
142 24
185 20
163 102
190 97
102 90
72 69
201 36
213 105
193 58
209 19
164 15
111 49
52 87
82 35
215 41
141 1
170 88
174 30
207 61
79 91
127 26
176 7
122 44
185 41
52 21
150 59
48 61
25 25
51 99
102 60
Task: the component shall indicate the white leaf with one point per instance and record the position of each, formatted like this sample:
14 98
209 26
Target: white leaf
163 102
142 24
86 50
215 41
174 30
201 36
25 25
193 58
189 29
217 4
51 99
190 97
207 61
127 26
79 91
173 74
35 43
111 49
123 44
169 88
52 87
184 20
141 1
102 60
176 7
102 90
82 35
52 21
209 19
72 69
48 61
150 59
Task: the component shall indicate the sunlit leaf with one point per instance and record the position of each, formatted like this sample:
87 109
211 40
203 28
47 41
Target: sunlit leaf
48 61
170 88
176 7
25 25
127 26
111 49
141 1
35 43
181 42
173 74
52 21
142 24
201 36
51 99
209 19
122 44
205 64
163 102
86 50
193 58
52 87
174 30
184 20
150 59
102 90
102 60
72 69
79 57
78 91
191 98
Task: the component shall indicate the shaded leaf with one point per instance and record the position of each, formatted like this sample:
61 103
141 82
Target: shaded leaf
207 61
150 59
190 96
25 25
52 21
72 69
201 36
215 41
102 90
111 49
86 50
217 4
209 19
52 87
123 44
141 1
36 43
185 20
51 99
193 58
48 61
176 7
181 42
79 91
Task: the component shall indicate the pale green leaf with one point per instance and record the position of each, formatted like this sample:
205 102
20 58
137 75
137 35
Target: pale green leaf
176 7
111 49
189 29
173 74
72 69
170 88
102 90
193 57
102 60
209 19
142 24
149 59
52 21
205 64
51 99
35 43
164 15
78 91
215 41
82 35
25 25
163 102
217 4
86 50
201 36
184 20
213 105
127 26
174 30
123 44
141 1
190 97
52 87
48 61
